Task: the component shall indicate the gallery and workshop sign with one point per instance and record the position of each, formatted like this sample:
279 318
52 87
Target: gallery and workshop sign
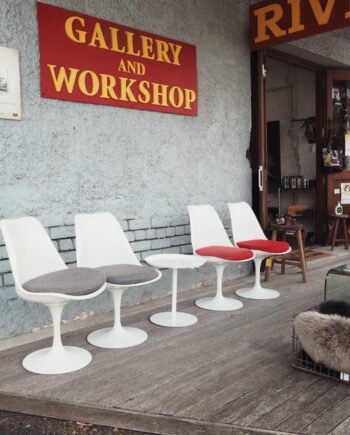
86 59
278 21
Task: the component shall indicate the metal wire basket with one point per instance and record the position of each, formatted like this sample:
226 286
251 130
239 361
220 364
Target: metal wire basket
302 361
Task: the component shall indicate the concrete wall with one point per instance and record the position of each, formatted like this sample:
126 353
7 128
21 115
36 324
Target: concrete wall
145 167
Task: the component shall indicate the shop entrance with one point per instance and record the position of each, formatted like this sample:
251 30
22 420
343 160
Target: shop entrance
299 109
291 143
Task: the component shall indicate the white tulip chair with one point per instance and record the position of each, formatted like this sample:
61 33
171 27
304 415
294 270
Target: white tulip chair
210 240
41 276
247 233
102 244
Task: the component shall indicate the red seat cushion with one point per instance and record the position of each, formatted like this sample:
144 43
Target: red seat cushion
270 246
225 253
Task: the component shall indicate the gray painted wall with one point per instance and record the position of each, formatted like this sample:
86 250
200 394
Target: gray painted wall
145 167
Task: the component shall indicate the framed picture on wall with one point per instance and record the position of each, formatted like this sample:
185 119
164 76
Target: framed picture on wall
345 193
10 93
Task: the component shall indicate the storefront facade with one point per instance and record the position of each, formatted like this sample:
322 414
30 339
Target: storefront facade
145 167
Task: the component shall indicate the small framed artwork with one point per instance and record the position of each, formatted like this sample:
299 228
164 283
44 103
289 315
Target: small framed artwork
10 91
345 193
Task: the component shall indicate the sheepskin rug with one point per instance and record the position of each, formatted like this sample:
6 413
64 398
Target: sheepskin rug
325 338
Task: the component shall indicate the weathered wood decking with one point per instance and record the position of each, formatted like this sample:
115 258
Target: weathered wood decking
228 374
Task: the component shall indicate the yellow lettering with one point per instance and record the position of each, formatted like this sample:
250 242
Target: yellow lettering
122 66
75 35
160 95
125 91
115 41
190 97
296 25
145 96
147 47
131 67
264 23
130 44
97 36
141 69
162 51
95 84
175 49
180 97
107 86
61 77
322 16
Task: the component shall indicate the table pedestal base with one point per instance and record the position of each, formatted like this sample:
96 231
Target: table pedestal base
179 320
258 293
219 303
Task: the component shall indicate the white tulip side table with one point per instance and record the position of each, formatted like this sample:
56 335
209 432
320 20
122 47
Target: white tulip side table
174 318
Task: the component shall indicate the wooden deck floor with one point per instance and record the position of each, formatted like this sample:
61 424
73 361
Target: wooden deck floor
228 374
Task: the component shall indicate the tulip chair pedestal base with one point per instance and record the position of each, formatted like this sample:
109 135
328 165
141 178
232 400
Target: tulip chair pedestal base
117 338
257 293
52 361
219 304
173 320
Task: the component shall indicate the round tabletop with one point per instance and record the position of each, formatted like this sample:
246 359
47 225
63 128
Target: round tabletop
175 261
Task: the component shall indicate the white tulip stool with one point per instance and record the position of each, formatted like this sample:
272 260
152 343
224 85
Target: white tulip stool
173 318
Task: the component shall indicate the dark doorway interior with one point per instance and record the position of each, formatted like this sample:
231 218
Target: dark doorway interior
274 156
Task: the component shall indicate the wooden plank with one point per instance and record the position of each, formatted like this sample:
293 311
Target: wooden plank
342 428
294 405
157 424
301 420
330 419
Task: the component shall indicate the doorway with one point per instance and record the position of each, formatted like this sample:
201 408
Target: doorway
300 96
291 142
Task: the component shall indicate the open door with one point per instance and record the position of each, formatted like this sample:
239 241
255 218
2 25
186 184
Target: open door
258 145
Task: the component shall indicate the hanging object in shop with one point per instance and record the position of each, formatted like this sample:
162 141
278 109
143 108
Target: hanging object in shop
86 59
275 22
10 91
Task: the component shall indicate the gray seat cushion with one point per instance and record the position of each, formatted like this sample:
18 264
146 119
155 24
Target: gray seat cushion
74 282
128 274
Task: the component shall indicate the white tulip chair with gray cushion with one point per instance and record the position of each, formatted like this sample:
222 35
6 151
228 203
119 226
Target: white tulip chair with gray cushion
247 233
210 240
102 244
41 276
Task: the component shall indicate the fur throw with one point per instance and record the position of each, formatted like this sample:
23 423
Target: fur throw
325 338
335 307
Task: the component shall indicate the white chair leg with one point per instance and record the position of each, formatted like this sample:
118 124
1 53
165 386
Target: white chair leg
57 359
219 302
118 336
257 292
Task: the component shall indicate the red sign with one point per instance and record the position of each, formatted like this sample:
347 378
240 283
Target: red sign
278 21
86 59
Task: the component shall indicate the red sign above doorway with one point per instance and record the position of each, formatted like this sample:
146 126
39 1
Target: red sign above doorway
90 60
275 22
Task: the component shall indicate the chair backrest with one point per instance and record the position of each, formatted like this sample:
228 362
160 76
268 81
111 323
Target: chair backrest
100 241
206 227
30 249
245 225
